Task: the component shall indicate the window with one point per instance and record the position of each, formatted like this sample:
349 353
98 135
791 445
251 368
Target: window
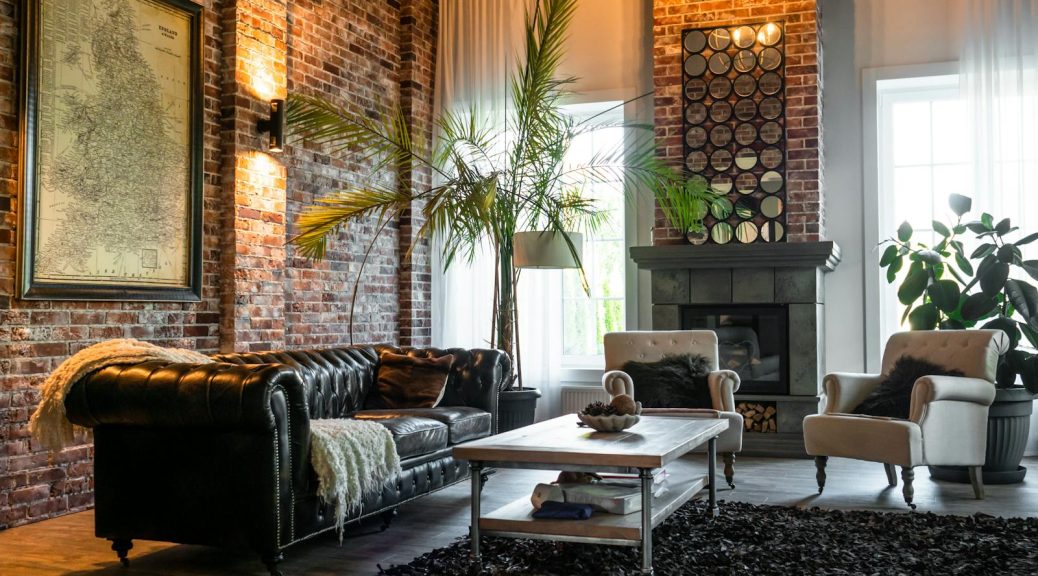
585 319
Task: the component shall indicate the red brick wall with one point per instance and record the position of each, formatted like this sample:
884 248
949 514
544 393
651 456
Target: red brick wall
804 209
257 294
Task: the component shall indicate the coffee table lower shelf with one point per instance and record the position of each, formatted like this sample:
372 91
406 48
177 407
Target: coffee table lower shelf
516 520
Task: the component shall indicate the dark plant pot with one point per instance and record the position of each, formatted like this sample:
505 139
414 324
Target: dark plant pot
1009 421
515 408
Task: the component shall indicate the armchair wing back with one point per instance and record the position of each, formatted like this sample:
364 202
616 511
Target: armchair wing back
973 352
623 347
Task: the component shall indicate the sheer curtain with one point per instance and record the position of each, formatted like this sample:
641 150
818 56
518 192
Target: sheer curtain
999 81
479 42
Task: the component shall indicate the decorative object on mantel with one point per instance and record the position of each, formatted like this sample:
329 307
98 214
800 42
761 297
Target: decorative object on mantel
735 128
686 204
944 288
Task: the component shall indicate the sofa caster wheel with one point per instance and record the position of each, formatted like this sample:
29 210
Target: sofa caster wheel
271 561
387 519
122 547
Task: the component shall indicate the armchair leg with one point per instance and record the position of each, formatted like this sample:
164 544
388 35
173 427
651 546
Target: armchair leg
907 476
122 547
820 462
891 475
977 480
729 468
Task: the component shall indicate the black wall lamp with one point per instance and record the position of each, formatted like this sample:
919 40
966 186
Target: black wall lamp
275 126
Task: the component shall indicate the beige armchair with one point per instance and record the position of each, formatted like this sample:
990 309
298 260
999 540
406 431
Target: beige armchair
947 424
623 347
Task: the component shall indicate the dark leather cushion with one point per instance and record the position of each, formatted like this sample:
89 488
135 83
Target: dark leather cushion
409 381
892 397
414 436
463 422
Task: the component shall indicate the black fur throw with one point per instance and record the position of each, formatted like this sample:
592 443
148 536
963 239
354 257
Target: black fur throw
892 397
677 381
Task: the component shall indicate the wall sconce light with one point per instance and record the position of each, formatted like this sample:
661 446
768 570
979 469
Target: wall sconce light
275 126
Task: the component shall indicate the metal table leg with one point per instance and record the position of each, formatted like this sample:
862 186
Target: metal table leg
711 459
476 471
646 476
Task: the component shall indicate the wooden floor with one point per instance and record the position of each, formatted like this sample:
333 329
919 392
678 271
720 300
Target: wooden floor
67 545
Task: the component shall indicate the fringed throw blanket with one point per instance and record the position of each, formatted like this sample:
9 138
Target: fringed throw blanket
49 426
351 457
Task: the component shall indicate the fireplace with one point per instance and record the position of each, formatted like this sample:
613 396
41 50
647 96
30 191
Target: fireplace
751 341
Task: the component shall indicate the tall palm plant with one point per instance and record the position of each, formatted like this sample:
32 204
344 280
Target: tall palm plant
491 179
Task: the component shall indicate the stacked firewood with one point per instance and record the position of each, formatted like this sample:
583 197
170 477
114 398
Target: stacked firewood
757 416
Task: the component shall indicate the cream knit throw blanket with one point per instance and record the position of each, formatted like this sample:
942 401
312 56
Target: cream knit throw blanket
351 457
49 426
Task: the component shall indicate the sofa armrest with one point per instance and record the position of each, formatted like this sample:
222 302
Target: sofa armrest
723 386
845 390
949 388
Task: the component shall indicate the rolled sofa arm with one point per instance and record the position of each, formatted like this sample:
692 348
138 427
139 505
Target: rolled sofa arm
723 386
949 388
845 390
174 395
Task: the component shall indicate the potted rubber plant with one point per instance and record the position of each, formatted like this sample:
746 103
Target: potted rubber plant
946 288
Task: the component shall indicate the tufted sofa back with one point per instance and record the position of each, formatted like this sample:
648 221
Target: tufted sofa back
338 381
652 346
973 352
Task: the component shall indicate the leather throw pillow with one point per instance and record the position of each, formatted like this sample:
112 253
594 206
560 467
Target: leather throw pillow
892 397
678 381
409 382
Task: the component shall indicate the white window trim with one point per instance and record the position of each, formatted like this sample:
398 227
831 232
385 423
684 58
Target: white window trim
872 210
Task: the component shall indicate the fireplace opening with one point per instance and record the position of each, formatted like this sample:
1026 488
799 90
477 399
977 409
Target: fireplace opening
752 341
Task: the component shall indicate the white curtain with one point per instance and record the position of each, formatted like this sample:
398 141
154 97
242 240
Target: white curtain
999 80
479 42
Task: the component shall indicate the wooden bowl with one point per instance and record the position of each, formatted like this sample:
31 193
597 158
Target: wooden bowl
614 423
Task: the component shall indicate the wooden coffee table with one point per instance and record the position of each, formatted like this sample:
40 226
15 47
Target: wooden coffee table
559 444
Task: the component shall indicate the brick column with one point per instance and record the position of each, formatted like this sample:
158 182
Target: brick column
253 300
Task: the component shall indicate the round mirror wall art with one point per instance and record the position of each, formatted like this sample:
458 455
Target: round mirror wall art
735 129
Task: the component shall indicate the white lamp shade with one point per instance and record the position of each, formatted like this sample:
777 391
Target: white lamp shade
546 249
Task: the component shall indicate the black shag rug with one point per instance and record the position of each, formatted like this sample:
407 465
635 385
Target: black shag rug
748 539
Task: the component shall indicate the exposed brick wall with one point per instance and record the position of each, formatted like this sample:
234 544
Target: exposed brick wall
256 292
804 208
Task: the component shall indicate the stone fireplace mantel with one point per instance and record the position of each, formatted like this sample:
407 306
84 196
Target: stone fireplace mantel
823 255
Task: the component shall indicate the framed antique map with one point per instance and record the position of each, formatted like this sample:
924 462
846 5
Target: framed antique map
111 155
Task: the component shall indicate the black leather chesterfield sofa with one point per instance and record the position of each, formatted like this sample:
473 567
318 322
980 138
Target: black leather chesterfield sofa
218 454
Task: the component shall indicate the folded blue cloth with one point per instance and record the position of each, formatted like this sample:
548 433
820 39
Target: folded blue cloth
563 511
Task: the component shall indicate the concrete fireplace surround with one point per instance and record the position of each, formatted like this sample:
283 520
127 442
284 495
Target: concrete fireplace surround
780 273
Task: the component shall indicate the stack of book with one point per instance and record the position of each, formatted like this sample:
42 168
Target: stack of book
614 493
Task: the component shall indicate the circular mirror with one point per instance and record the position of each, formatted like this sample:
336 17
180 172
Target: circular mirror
745 134
746 207
720 63
770 58
770 83
721 135
695 89
721 232
721 160
745 85
722 183
746 183
696 161
744 60
720 111
721 208
719 39
771 182
695 65
771 206
745 109
695 137
743 37
772 231
745 158
720 87
697 238
771 132
770 108
695 41
746 232
771 157
769 34
695 113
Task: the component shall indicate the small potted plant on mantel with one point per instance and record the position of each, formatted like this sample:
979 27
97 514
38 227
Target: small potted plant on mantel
685 204
944 289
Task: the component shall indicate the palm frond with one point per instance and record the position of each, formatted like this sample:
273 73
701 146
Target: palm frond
329 214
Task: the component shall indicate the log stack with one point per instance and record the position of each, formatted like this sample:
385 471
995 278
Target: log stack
758 416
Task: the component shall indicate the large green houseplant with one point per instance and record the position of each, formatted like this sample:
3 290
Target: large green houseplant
490 180
946 288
